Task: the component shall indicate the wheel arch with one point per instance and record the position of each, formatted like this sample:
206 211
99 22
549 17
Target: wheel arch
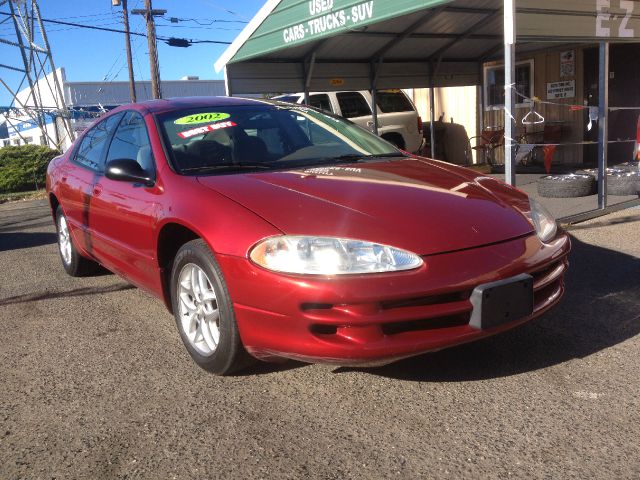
396 138
54 203
171 237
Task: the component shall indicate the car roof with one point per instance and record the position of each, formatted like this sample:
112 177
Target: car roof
170 104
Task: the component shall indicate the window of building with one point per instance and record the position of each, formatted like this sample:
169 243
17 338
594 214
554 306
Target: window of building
131 141
494 84
353 104
28 140
6 143
43 140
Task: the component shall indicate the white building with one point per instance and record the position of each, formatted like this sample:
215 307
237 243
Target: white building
85 101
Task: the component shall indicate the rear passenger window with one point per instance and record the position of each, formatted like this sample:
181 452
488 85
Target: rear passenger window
92 148
353 104
321 101
393 101
131 141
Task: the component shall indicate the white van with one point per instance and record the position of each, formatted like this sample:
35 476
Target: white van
398 120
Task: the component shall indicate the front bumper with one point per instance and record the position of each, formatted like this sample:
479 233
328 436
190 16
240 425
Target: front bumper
381 318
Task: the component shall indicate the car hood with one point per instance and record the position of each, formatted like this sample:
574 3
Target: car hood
422 206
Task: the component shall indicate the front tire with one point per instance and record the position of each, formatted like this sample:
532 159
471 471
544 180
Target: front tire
74 264
203 310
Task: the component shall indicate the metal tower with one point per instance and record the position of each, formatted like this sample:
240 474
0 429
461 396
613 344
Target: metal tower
45 102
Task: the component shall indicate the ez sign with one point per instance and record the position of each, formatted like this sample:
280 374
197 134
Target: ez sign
608 18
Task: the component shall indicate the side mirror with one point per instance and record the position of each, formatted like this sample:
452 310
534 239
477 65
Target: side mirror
127 170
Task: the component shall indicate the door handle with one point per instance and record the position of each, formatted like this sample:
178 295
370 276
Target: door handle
97 189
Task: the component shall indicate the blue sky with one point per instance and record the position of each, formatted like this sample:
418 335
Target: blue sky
90 55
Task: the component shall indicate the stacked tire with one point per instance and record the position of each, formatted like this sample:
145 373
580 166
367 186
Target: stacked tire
567 186
623 183
623 180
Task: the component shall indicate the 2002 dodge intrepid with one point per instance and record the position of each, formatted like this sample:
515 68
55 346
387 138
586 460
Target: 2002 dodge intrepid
279 231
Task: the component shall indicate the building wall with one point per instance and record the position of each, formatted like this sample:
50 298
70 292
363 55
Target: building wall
572 120
454 104
117 93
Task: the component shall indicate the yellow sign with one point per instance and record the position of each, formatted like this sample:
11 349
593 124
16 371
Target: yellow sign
201 118
336 82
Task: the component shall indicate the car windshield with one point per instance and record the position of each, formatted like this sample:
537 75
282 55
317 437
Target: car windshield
217 140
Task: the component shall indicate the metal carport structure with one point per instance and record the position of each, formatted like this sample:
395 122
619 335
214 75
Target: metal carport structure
321 45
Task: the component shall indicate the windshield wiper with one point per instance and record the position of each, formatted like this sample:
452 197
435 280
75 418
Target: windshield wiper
228 167
359 157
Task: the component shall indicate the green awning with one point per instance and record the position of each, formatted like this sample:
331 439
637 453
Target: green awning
320 45
292 23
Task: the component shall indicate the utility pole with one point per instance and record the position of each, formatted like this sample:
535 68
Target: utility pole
149 13
127 38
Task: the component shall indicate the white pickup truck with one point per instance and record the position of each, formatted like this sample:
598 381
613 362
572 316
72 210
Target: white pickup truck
398 120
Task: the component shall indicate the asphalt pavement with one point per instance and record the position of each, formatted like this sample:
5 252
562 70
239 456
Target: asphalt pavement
95 384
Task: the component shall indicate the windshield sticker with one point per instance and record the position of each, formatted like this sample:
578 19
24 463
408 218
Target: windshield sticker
205 129
201 118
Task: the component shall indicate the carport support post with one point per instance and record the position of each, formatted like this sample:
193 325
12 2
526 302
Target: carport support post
374 95
308 72
432 118
509 91
603 124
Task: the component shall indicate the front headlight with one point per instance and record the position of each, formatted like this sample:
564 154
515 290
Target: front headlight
330 256
545 224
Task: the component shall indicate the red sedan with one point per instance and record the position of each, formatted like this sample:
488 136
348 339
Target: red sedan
280 231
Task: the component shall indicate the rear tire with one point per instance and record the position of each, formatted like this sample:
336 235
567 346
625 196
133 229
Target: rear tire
74 264
203 311
566 186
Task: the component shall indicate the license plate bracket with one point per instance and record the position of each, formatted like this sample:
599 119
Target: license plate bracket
500 302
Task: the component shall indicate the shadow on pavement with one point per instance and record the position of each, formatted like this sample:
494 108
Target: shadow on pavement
599 310
604 223
78 292
26 224
17 240
265 368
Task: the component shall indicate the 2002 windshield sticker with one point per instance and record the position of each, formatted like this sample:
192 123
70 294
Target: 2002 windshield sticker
206 128
201 118
329 20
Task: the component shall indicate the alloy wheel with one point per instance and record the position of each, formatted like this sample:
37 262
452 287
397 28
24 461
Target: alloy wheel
198 309
64 240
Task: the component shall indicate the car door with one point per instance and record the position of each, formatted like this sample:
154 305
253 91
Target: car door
78 178
124 214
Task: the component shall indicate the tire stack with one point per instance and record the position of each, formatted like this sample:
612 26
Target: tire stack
623 180
566 186
623 183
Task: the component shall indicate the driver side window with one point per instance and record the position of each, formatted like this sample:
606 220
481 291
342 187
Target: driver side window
131 141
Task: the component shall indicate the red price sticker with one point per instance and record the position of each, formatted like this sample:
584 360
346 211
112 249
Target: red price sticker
205 129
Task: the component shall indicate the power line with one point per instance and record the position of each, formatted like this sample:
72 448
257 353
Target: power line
115 30
197 28
78 25
201 21
231 12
